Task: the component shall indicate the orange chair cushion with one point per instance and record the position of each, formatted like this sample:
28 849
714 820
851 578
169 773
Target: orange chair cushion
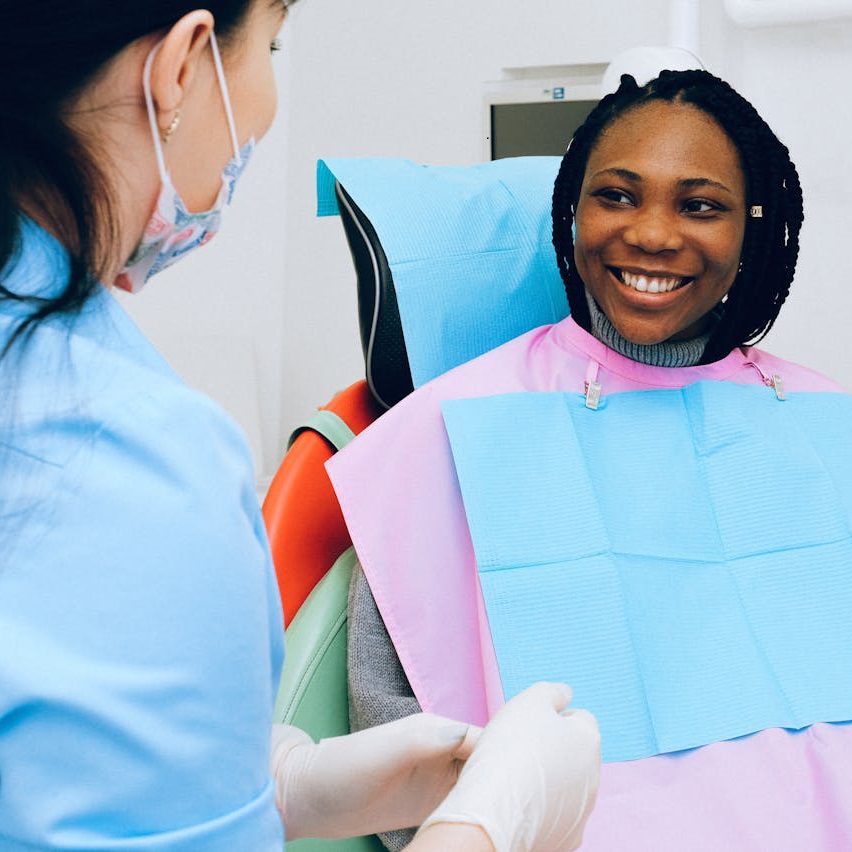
303 519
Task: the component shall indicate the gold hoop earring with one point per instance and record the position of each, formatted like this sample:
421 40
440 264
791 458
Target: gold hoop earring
166 134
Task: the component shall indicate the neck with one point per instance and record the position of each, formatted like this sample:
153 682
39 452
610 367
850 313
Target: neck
668 353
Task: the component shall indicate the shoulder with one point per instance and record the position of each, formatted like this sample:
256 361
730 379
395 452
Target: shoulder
115 462
796 377
78 380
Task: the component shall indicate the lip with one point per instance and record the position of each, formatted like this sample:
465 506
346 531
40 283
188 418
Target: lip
647 299
649 273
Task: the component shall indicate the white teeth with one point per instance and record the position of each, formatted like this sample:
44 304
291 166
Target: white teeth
644 284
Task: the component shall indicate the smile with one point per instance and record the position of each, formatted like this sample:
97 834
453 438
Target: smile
648 283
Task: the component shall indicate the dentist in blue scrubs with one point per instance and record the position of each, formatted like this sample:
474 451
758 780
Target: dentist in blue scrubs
140 631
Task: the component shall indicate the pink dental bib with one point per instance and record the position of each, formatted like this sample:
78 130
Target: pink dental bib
399 493
398 489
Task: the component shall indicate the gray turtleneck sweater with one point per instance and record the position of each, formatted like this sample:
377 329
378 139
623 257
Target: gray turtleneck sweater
379 691
669 353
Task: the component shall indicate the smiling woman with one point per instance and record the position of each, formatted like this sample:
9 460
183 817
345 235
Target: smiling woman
634 478
687 211
660 222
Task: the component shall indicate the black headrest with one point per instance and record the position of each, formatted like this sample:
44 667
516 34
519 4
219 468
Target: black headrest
385 356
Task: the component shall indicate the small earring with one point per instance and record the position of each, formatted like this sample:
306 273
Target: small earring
166 134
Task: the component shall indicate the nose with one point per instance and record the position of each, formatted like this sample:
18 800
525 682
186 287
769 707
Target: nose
653 231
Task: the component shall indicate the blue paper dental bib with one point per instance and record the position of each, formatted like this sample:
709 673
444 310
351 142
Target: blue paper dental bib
681 557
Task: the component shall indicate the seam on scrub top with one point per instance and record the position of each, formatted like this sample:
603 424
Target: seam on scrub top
32 456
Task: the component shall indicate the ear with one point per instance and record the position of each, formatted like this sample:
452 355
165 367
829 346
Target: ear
176 64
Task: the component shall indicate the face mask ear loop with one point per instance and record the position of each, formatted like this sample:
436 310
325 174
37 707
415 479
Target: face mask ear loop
152 115
226 97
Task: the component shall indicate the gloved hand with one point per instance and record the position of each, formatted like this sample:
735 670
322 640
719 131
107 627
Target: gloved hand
531 782
384 778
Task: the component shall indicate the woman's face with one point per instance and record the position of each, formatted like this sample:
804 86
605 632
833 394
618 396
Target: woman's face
248 67
201 147
660 221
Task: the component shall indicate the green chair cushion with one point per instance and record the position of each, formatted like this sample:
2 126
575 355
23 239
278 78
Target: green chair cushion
313 694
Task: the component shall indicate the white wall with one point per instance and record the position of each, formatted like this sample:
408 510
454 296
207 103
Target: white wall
264 319
798 77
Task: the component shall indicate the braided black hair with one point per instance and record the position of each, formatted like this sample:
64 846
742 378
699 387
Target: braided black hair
771 242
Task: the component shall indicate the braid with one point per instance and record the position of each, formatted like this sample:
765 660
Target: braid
566 191
771 242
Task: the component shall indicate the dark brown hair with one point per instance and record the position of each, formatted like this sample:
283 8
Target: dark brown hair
49 51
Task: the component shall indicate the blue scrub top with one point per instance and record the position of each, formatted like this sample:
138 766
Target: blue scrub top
141 634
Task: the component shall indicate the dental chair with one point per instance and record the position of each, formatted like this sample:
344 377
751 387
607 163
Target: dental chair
303 519
408 228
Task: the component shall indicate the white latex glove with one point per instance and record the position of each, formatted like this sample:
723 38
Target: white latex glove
384 778
532 779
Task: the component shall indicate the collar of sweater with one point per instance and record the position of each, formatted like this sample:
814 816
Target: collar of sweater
668 353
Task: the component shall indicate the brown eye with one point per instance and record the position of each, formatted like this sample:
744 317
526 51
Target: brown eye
701 205
616 196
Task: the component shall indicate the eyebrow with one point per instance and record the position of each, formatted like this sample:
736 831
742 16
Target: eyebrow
622 173
689 183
